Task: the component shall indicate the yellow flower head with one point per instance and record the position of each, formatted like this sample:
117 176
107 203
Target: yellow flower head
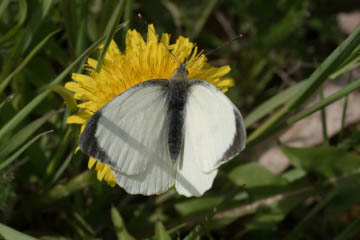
141 61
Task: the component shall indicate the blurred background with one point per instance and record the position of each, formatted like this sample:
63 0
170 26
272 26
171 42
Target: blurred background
299 176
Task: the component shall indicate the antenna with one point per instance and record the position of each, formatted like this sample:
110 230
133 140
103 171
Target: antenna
221 46
159 38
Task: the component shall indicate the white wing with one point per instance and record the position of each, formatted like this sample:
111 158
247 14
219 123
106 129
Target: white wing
159 175
190 179
130 134
126 132
214 134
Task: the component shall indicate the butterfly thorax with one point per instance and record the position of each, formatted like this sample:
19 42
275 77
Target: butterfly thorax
180 74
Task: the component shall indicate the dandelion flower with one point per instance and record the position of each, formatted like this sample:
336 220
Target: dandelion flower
141 61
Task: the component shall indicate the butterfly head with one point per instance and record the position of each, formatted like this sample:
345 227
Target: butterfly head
181 73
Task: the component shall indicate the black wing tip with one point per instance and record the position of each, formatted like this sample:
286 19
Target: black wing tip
88 142
239 141
87 137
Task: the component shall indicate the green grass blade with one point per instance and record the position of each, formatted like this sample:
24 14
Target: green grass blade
20 137
6 100
110 31
323 119
128 12
329 100
70 22
41 97
330 65
351 62
273 103
9 233
26 60
3 6
107 11
176 228
66 95
350 231
15 29
121 232
84 224
59 153
82 28
61 169
160 232
21 150
343 115
37 18
22 114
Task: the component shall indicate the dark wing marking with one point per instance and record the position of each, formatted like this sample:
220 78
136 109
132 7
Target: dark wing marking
89 143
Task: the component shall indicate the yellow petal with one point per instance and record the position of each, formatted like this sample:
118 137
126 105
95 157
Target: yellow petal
227 82
73 86
110 179
78 118
77 149
92 62
101 173
91 162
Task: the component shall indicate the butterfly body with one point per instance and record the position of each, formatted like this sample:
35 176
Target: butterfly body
177 94
166 132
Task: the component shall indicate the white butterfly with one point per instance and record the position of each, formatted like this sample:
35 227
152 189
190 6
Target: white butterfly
166 132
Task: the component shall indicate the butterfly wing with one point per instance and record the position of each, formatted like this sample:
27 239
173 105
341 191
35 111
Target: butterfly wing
159 175
214 134
129 135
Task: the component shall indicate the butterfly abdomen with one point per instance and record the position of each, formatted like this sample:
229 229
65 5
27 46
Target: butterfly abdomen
177 95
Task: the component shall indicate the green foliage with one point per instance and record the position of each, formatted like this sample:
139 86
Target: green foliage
254 175
9 234
288 51
323 161
7 194
121 232
194 207
66 95
160 232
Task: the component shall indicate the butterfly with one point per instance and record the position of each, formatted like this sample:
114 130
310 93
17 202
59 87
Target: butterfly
166 132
